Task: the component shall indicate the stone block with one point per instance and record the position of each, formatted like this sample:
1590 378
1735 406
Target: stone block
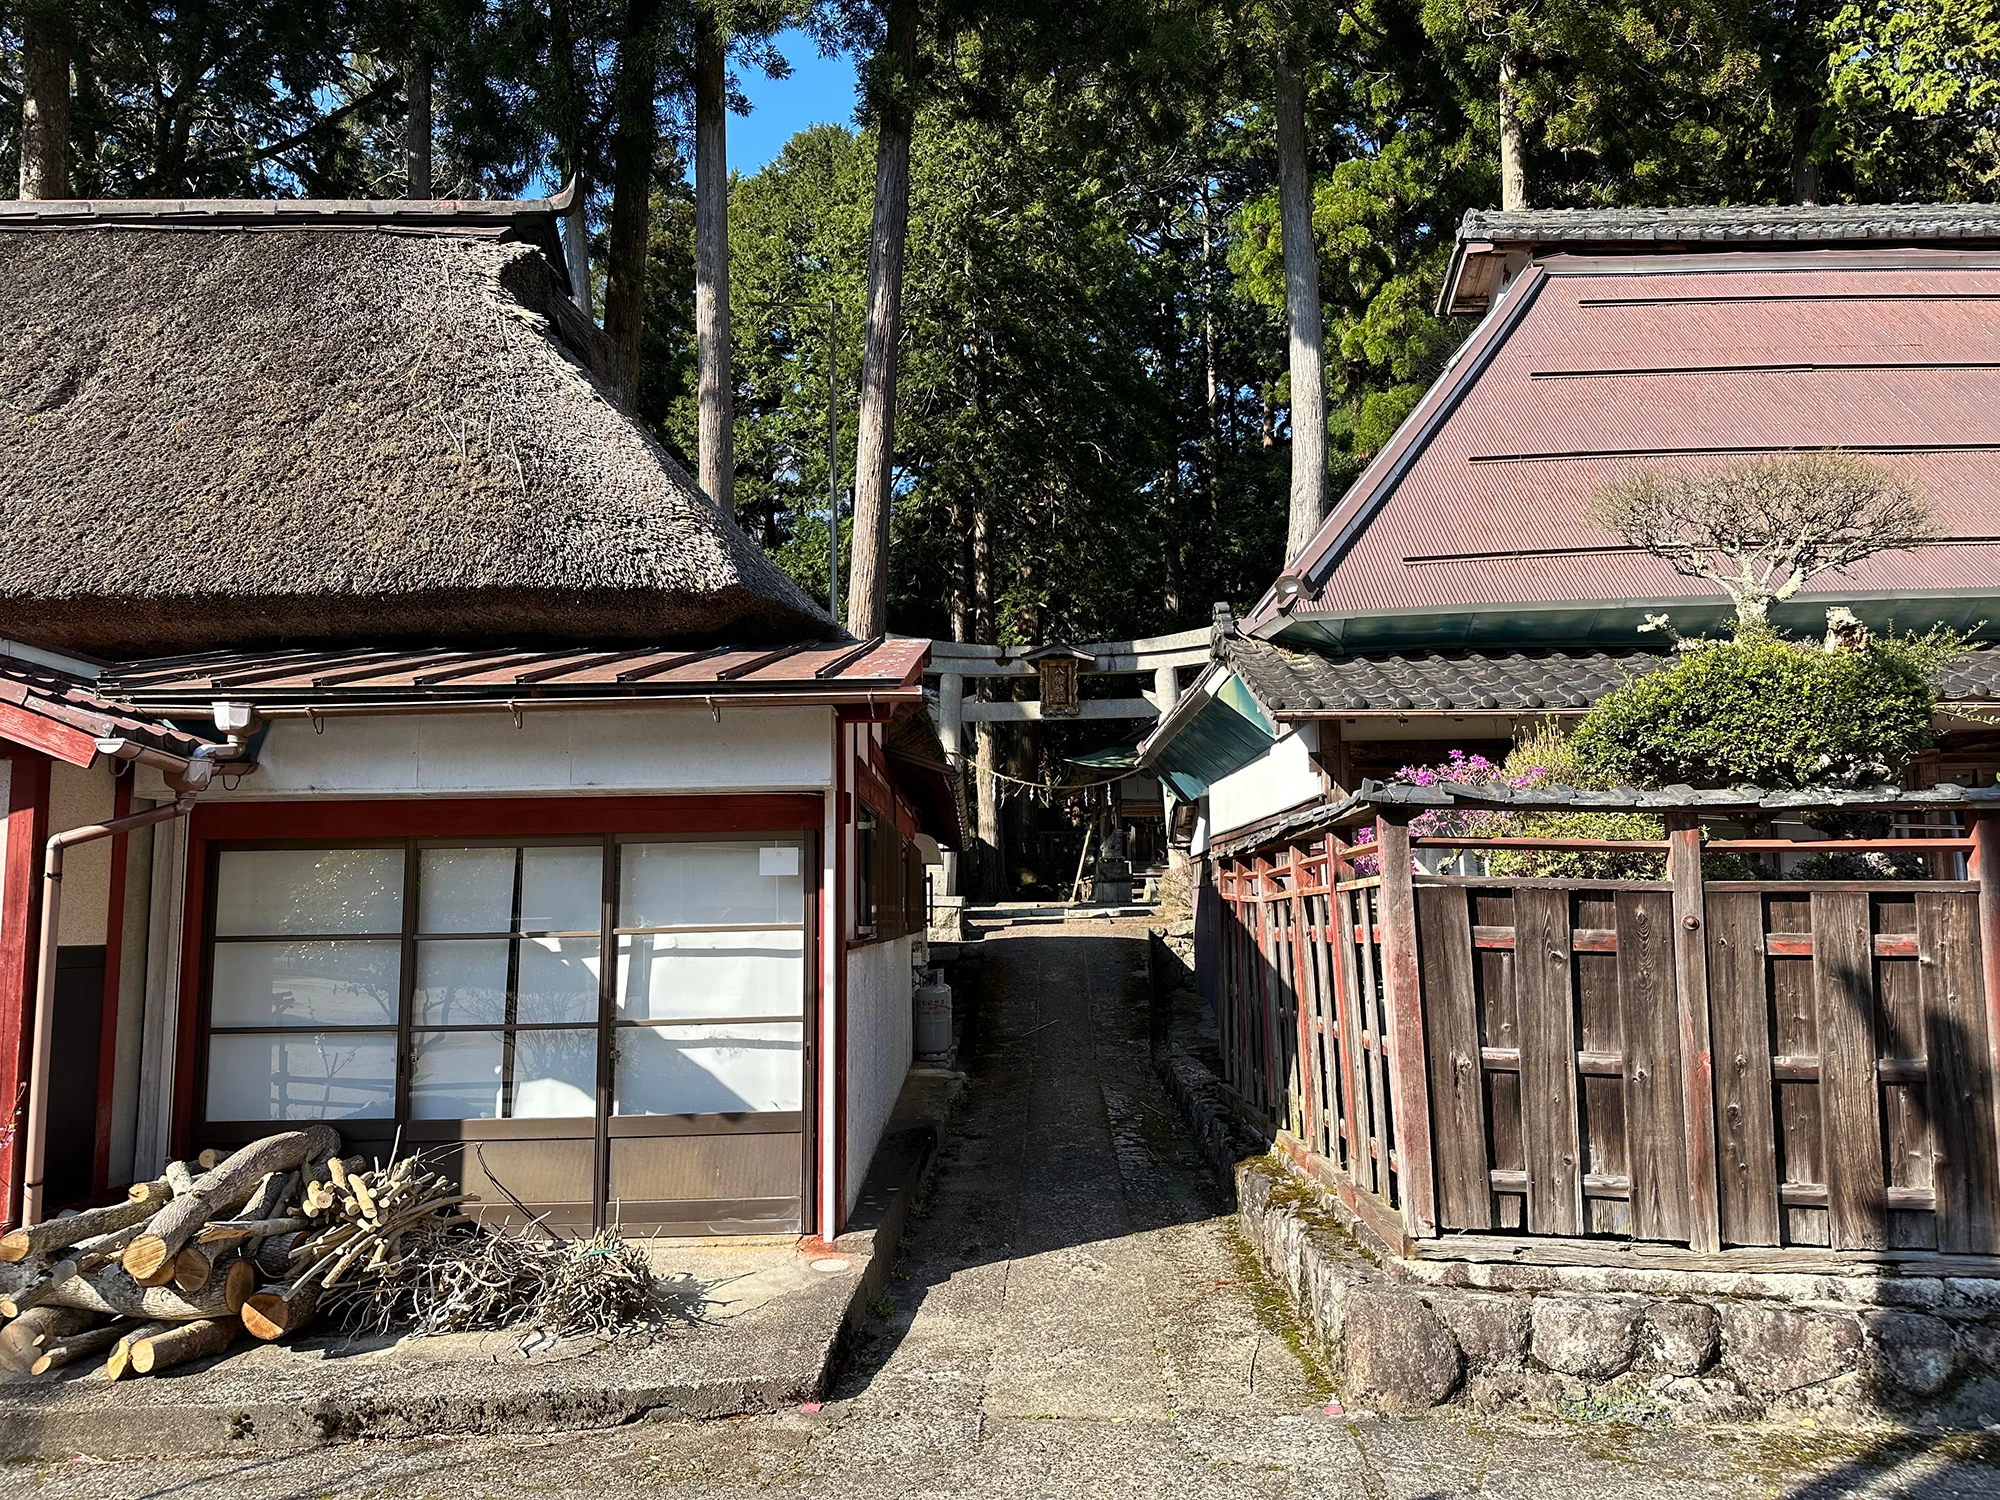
1772 1349
1981 1345
1490 1327
1678 1338
1910 1355
1399 1356
1593 1337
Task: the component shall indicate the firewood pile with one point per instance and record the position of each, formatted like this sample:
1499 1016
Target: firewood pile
281 1232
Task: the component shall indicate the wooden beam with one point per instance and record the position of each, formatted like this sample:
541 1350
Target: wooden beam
1007 712
1985 868
1403 986
1691 999
27 810
31 731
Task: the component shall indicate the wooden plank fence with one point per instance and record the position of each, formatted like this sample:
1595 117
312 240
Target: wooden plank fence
1698 1063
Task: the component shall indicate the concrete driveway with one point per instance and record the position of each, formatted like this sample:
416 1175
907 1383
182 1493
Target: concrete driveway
1075 1316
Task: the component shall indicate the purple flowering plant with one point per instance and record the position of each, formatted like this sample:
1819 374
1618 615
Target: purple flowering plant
1457 769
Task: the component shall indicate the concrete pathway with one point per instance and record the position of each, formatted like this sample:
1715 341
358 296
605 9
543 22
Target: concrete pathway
1075 1316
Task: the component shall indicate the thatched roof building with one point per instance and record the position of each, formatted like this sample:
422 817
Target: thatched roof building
238 424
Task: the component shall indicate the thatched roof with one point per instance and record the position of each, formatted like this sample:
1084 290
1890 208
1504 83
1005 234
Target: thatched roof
231 425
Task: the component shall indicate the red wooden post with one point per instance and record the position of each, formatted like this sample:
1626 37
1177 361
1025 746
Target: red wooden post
1691 999
1402 982
27 821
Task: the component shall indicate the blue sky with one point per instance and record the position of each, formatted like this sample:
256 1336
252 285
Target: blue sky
821 89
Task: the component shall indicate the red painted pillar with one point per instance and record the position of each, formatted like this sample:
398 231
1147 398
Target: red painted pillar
27 820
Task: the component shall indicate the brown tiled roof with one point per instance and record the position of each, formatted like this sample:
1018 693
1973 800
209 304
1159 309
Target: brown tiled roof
61 714
1468 681
332 677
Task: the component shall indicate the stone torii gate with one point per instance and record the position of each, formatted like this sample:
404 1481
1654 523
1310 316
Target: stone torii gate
1155 662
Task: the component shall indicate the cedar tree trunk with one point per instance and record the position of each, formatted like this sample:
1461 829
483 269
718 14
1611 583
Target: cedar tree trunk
711 260
44 107
1513 147
1805 171
419 142
632 190
1302 316
868 582
575 223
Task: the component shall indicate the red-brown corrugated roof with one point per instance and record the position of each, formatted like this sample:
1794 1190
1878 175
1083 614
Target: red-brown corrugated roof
60 714
1595 366
333 677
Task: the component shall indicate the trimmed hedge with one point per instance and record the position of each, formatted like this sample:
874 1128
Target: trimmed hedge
1765 711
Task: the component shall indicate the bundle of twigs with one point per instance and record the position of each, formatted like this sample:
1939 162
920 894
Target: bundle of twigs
354 1227
482 1279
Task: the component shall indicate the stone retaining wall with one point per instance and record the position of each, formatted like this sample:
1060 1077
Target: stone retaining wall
1645 1344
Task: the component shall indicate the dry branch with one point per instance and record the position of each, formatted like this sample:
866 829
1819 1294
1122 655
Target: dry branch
22 1341
77 1346
35 1293
60 1234
112 1289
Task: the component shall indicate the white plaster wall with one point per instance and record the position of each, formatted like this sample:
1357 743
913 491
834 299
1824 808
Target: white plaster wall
881 1041
77 797
130 1044
675 747
1283 777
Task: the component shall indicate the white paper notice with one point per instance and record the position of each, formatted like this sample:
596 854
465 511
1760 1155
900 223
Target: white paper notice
780 862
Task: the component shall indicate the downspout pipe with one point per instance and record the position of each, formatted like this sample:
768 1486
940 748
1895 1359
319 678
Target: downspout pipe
189 780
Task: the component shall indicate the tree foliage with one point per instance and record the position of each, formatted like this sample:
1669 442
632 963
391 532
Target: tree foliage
1092 427
1760 710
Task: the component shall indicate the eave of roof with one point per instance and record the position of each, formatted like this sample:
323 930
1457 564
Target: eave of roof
414 680
534 220
1487 237
1294 685
60 715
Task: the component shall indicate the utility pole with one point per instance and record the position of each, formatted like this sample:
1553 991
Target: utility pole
832 462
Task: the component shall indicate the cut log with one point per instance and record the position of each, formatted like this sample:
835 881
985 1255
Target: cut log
112 1289
209 1159
221 1191
180 1178
77 1346
274 1256
119 1362
22 1341
60 1234
155 1191
192 1268
273 1313
237 1284
179 1345
35 1293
